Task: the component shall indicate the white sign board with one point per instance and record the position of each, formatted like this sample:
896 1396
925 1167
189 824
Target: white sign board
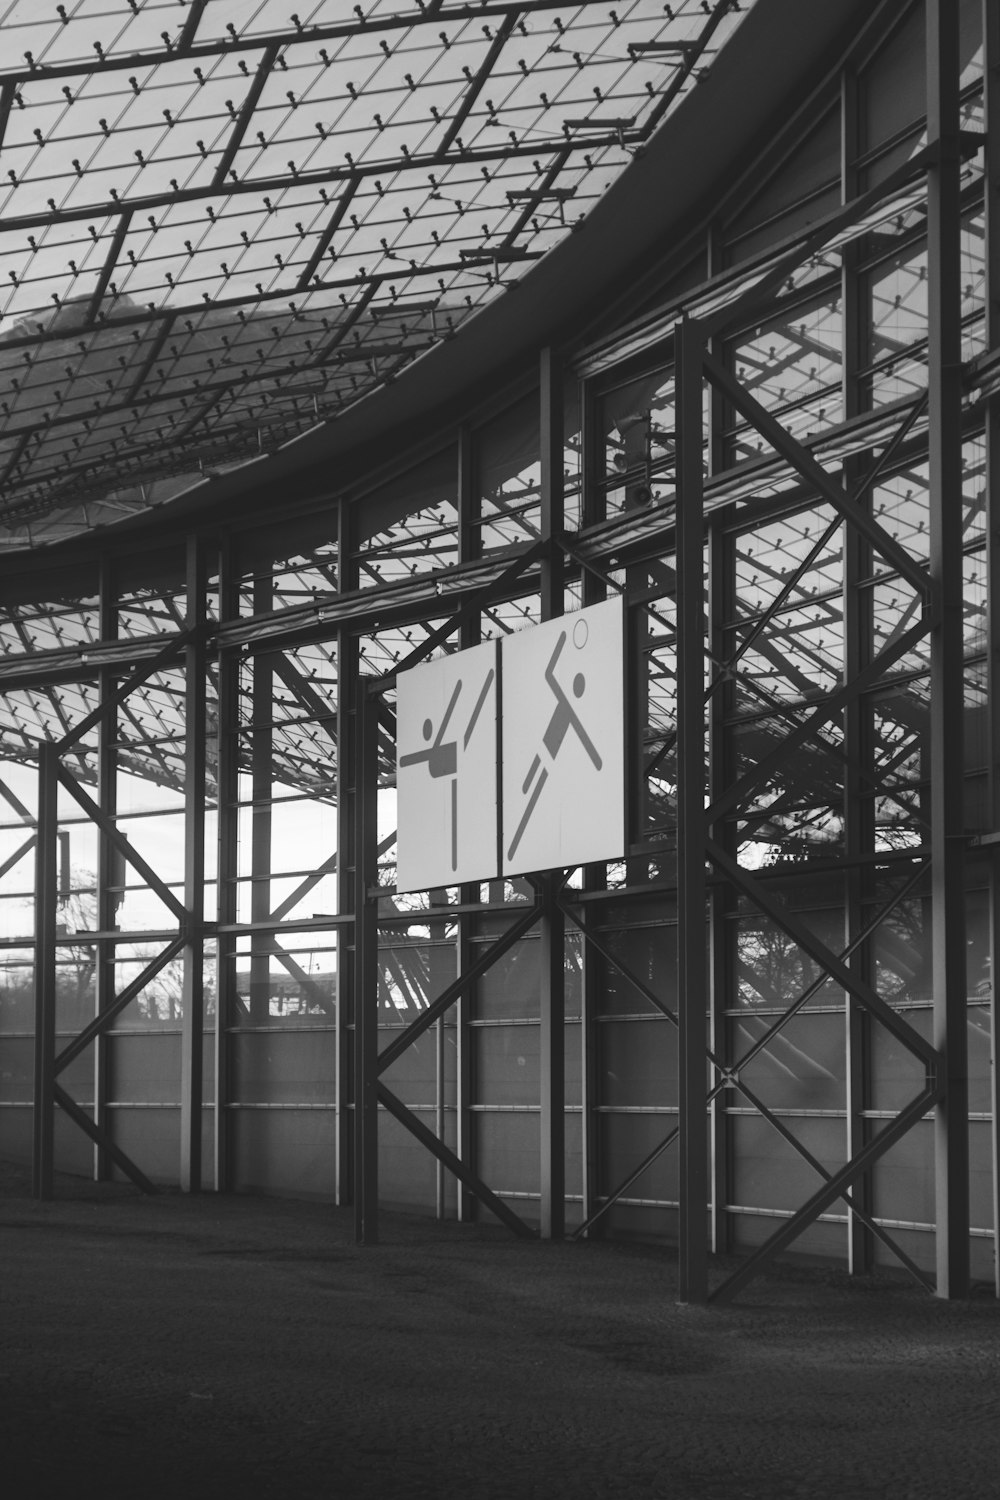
563 741
446 770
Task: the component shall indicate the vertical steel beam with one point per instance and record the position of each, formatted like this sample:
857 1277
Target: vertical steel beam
722 900
227 800
991 86
261 777
195 768
552 927
691 831
46 897
365 969
109 863
347 688
470 633
951 1130
858 805
594 591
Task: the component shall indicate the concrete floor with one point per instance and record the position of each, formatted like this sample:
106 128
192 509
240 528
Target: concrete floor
218 1346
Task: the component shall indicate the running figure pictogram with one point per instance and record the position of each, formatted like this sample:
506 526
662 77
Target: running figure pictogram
441 755
564 718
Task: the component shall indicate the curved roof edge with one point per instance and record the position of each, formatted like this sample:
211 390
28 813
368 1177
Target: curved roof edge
773 57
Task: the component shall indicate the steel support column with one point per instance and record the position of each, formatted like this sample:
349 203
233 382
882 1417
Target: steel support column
691 830
722 904
594 590
469 634
347 692
262 770
110 867
227 801
553 939
46 897
991 87
195 767
947 681
858 803
365 968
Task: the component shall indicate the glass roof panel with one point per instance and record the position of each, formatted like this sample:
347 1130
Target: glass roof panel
222 223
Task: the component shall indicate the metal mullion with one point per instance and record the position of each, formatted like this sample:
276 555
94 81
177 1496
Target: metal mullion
46 898
594 589
262 775
948 918
193 928
991 74
365 975
107 863
441 964
347 659
469 634
691 819
552 996
722 905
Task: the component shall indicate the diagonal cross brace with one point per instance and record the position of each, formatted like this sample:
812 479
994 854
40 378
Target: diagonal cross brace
814 474
623 1187
444 1001
172 650
869 1222
100 1023
607 954
302 689
122 845
102 1139
437 1148
496 589
824 956
821 714
868 931
828 1194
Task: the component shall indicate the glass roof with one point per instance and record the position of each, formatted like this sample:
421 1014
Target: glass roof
222 223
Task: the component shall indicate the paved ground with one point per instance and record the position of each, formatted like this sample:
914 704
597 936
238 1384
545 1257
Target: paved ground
225 1346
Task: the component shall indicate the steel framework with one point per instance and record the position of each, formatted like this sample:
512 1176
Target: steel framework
782 471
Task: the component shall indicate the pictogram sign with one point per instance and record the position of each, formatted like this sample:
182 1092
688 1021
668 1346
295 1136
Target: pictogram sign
563 741
446 770
561 763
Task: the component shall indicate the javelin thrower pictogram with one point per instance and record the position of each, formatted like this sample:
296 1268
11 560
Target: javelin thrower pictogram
441 755
564 717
